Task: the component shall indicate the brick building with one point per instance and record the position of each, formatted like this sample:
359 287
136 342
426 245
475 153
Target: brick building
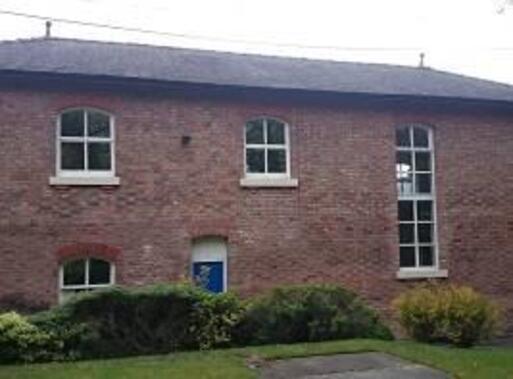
134 164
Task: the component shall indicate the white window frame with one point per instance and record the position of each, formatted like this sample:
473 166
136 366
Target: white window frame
265 146
415 197
63 288
86 173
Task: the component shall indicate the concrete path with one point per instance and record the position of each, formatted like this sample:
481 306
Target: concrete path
349 366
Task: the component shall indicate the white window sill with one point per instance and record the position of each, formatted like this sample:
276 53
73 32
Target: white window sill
84 181
268 182
421 274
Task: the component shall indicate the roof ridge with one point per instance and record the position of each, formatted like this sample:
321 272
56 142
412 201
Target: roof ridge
203 50
199 65
23 40
249 54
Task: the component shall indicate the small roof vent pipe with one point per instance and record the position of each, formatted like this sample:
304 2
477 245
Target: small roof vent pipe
422 57
48 31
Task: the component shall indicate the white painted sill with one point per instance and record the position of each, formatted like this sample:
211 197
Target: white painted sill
268 183
421 274
84 181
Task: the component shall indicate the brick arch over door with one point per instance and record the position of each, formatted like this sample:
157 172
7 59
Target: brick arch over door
217 227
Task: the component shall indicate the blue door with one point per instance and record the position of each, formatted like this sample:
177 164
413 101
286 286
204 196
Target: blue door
209 275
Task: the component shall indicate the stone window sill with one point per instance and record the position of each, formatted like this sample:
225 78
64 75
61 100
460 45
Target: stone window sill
421 274
268 183
84 181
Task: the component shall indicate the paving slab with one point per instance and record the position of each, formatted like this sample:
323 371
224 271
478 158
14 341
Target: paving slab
349 366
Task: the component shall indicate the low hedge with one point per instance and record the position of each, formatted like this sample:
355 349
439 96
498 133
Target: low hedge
308 313
148 320
164 318
452 314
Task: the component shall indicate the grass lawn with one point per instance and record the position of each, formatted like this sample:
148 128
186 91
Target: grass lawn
496 363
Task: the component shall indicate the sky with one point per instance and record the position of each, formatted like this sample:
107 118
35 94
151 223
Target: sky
470 37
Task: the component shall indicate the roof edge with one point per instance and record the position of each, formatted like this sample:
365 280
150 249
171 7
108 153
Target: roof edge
115 82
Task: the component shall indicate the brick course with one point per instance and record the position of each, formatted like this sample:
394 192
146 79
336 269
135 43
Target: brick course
338 226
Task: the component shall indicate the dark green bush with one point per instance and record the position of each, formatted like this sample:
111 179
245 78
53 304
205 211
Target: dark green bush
71 335
149 320
447 313
308 313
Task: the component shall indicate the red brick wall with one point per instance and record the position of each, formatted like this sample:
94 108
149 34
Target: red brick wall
338 226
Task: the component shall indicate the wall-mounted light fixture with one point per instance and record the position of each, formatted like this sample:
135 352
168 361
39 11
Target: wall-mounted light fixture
186 139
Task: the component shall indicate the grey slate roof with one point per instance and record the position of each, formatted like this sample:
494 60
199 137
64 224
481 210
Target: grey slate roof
165 64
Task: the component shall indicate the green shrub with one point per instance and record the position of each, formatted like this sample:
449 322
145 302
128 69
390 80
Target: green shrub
149 320
20 341
447 313
308 313
72 336
216 319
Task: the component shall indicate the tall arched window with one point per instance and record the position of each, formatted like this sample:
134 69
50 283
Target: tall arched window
85 144
416 197
84 275
266 148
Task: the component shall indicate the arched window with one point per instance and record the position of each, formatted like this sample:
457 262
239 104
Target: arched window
209 263
267 148
85 144
85 275
416 197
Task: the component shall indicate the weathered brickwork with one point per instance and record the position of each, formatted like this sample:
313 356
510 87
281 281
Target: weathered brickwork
338 225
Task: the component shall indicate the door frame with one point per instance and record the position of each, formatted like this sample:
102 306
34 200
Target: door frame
202 251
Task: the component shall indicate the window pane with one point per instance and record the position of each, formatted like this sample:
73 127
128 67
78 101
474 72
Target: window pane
275 132
74 273
426 256
406 233
402 137
424 210
403 164
403 172
423 183
405 210
403 160
407 257
99 272
420 138
255 132
276 161
255 160
423 161
98 125
72 156
425 233
405 185
99 156
72 124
